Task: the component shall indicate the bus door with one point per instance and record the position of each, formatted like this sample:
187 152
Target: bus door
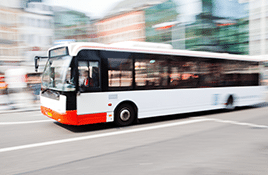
90 100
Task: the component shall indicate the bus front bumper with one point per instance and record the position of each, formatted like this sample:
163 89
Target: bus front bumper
71 117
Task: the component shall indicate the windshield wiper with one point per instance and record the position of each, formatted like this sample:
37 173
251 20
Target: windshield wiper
44 90
56 94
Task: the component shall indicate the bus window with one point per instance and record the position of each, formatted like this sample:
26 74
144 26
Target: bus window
210 73
151 71
88 74
120 72
240 73
54 75
184 73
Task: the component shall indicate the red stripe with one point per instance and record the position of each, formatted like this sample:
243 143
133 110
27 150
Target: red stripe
71 117
91 118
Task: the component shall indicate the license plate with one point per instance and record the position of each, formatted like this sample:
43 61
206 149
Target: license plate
49 114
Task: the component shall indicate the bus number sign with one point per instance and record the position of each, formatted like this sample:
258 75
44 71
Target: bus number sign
63 51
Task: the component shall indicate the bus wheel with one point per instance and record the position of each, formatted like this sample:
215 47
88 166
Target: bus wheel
230 103
124 115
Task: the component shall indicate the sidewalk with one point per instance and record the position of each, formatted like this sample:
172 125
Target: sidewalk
8 109
18 102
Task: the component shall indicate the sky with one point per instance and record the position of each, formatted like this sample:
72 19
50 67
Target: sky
94 8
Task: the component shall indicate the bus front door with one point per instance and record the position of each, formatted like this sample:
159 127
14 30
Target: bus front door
90 100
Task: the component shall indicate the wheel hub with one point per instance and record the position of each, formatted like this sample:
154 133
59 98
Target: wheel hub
125 115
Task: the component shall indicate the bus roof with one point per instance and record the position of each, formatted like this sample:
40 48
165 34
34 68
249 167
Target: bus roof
75 47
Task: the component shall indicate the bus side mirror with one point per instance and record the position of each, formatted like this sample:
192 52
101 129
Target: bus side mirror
36 63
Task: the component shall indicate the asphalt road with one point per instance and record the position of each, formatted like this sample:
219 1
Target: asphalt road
214 142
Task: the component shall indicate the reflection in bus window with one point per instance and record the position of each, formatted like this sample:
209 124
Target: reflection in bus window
120 72
151 71
237 73
210 73
54 75
183 73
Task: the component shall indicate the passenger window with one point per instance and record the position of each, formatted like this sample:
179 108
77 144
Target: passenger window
210 73
184 73
88 74
151 71
120 72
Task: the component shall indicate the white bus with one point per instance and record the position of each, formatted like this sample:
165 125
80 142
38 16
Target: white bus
125 83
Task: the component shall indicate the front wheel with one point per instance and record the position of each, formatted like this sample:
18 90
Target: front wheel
124 115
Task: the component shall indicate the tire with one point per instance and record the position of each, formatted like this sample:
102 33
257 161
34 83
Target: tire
124 115
230 104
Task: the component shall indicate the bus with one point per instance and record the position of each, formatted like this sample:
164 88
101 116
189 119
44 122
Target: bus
87 83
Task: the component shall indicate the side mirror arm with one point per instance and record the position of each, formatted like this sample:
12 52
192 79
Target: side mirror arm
36 62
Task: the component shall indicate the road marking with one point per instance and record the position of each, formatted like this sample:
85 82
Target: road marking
144 164
200 119
25 122
239 123
103 135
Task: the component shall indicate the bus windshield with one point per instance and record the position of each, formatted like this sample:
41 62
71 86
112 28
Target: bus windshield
57 74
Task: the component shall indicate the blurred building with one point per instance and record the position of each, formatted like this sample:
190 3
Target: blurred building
138 20
221 26
72 25
36 31
258 27
25 28
204 25
14 4
122 27
160 20
10 50
125 22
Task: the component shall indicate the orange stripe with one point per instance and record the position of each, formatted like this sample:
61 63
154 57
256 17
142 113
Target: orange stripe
10 10
123 29
8 29
164 27
71 117
120 16
138 39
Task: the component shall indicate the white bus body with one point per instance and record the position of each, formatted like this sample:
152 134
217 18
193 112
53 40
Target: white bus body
107 106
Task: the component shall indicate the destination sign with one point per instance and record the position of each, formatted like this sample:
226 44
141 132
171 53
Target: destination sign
63 51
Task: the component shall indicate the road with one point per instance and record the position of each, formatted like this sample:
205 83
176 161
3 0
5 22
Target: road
214 142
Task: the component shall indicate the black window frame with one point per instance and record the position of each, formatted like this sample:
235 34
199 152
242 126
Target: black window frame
83 56
103 55
156 58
